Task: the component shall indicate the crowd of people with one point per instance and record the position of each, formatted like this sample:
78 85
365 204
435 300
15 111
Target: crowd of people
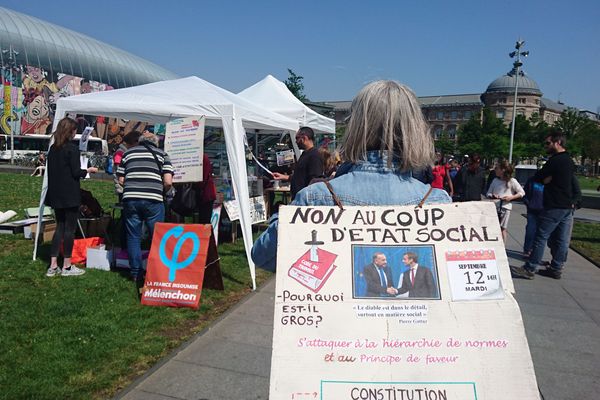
386 157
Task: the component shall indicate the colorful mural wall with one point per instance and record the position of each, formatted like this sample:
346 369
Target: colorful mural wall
30 99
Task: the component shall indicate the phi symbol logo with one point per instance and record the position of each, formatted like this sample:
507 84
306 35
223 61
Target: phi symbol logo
171 263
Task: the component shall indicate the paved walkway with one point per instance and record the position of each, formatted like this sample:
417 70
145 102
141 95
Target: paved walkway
231 359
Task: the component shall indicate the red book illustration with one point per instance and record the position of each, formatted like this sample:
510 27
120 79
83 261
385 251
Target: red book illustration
313 274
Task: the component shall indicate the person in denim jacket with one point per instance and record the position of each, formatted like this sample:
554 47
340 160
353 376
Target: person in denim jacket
386 138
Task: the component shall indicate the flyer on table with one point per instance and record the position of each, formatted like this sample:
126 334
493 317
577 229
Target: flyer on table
396 303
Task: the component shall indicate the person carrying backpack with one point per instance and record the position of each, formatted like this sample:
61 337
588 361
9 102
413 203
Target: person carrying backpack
534 200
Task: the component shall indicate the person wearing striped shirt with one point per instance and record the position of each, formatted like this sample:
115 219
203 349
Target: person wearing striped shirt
145 172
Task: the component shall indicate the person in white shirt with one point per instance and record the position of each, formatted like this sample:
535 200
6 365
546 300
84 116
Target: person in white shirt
504 189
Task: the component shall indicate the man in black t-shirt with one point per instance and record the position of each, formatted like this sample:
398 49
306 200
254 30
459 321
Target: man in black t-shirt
309 165
556 219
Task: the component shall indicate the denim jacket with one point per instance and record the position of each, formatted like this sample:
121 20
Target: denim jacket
366 183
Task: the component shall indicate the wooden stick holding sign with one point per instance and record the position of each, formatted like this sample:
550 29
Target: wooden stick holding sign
177 265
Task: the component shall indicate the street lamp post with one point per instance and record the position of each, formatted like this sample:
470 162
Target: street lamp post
517 65
12 63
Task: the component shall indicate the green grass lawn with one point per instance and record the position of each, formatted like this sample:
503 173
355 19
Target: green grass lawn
586 240
591 183
87 337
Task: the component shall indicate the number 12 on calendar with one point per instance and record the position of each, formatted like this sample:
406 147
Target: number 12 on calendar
474 275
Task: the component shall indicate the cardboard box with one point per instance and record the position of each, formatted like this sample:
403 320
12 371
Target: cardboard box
29 229
99 258
48 232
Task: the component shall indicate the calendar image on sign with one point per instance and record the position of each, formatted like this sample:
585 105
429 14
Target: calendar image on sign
474 275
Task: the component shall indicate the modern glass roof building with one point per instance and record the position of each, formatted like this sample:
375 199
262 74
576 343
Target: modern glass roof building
59 50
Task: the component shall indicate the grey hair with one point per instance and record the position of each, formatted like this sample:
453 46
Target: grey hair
149 137
386 116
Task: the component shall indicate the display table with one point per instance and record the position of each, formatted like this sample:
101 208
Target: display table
271 197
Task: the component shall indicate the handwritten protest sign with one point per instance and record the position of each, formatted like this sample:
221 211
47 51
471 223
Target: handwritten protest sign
396 303
176 265
184 143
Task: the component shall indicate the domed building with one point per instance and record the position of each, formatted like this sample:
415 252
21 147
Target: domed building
446 113
500 95
42 62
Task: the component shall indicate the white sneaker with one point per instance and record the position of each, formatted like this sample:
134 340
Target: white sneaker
53 272
72 271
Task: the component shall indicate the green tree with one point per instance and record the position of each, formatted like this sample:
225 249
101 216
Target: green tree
444 144
486 136
295 85
570 122
588 141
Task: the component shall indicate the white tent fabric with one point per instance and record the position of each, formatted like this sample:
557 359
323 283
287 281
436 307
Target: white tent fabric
272 94
160 102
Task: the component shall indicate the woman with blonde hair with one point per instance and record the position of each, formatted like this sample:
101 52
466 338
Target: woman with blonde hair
387 137
63 195
504 189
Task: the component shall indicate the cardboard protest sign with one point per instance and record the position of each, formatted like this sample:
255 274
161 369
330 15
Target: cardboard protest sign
176 265
396 303
258 209
184 143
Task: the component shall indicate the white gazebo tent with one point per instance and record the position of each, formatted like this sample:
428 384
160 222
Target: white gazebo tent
160 102
273 95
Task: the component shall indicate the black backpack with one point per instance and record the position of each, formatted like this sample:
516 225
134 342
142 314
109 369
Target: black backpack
186 199
90 207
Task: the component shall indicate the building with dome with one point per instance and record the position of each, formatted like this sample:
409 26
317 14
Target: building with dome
42 62
446 113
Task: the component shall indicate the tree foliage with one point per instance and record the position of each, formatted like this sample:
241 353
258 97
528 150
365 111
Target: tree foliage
295 85
444 144
486 136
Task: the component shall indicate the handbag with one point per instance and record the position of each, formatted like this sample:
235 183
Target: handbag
185 201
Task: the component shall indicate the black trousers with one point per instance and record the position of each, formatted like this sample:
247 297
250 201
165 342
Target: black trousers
204 213
66 223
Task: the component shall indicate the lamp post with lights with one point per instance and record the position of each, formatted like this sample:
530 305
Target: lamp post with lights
517 71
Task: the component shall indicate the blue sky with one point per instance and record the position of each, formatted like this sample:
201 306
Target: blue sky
435 47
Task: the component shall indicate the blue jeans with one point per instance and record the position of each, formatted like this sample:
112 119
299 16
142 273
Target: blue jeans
554 224
137 212
530 229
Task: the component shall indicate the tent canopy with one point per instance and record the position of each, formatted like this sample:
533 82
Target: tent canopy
273 95
160 102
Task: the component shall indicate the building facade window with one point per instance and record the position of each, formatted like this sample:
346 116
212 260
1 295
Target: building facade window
500 114
451 132
454 115
522 100
467 115
437 131
440 115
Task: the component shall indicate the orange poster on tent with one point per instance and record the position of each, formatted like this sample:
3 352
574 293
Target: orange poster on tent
176 265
